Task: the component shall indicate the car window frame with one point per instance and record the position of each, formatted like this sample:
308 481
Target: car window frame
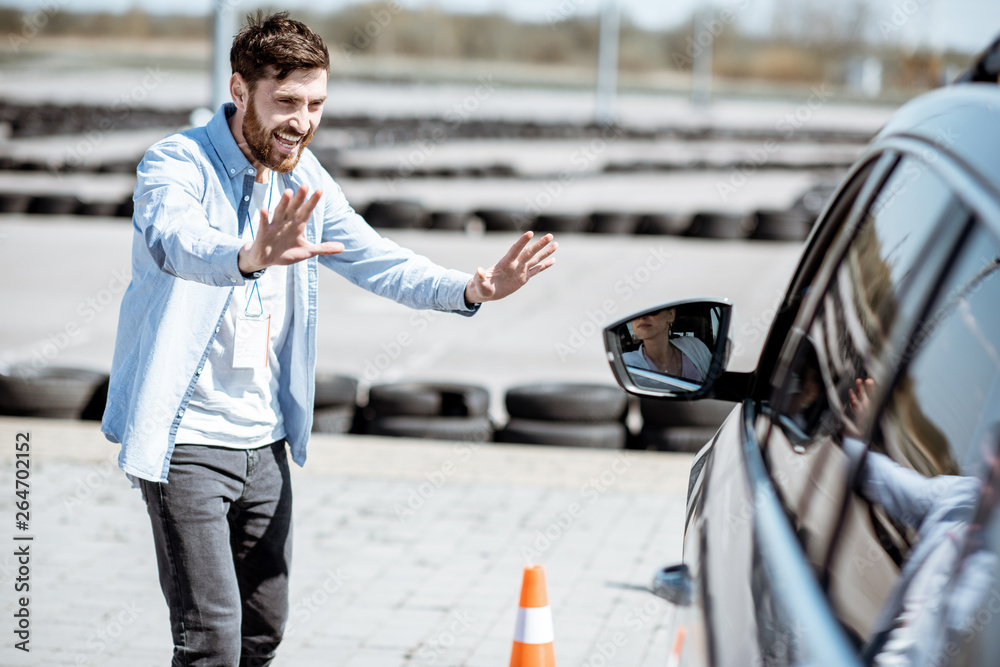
901 332
980 195
807 310
826 248
832 232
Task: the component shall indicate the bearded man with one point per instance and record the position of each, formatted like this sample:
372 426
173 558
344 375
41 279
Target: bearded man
212 380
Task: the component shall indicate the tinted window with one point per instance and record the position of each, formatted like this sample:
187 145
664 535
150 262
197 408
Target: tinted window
867 298
903 215
937 405
933 448
867 308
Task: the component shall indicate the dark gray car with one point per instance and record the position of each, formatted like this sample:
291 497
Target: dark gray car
846 512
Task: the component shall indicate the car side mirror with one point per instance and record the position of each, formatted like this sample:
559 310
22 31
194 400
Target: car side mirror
675 350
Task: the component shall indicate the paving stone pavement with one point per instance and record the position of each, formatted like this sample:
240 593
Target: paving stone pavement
406 552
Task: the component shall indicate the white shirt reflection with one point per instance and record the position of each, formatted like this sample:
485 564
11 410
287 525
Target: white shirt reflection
696 358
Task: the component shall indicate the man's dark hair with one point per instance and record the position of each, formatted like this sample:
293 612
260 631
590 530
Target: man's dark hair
279 42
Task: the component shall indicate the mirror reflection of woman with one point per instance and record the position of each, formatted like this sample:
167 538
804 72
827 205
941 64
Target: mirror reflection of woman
685 357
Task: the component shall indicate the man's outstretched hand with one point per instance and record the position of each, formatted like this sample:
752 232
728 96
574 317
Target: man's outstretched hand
525 259
282 239
860 399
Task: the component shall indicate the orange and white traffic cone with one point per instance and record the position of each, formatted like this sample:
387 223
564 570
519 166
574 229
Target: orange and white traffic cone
533 635
675 653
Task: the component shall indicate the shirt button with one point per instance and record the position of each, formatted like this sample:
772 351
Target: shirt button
218 329
246 198
252 171
180 413
198 372
232 171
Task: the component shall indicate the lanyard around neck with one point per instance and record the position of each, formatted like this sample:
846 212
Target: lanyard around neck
254 289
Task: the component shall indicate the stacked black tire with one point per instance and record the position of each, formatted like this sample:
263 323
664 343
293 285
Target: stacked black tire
573 415
679 426
53 392
791 225
439 411
397 214
336 403
561 414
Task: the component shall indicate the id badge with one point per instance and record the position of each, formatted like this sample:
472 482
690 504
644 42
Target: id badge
252 340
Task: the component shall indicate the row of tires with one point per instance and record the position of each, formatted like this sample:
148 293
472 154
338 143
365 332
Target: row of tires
495 170
27 119
793 224
788 225
576 415
501 170
62 204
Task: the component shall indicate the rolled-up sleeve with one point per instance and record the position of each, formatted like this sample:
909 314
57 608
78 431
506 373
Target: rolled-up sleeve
172 216
381 266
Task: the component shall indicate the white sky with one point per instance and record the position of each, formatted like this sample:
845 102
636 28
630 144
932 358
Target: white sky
964 24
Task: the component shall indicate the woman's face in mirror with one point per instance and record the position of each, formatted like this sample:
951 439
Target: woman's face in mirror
653 325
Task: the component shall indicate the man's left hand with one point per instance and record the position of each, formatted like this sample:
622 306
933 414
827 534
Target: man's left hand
524 260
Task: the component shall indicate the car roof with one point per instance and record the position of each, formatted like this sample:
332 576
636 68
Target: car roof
963 120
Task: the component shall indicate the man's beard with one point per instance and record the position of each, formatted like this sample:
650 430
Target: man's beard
259 139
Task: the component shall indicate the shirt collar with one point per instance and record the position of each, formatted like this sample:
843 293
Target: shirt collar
222 139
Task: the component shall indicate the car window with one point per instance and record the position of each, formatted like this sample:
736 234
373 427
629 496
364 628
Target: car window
868 298
937 405
931 450
870 302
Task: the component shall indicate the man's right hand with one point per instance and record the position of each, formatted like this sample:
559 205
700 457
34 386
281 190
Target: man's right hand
282 239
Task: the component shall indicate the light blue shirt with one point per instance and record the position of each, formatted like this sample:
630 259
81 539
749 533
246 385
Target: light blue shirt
191 202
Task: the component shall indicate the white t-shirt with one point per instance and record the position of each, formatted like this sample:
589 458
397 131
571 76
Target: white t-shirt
238 407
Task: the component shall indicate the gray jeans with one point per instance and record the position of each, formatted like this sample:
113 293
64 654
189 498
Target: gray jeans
222 528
